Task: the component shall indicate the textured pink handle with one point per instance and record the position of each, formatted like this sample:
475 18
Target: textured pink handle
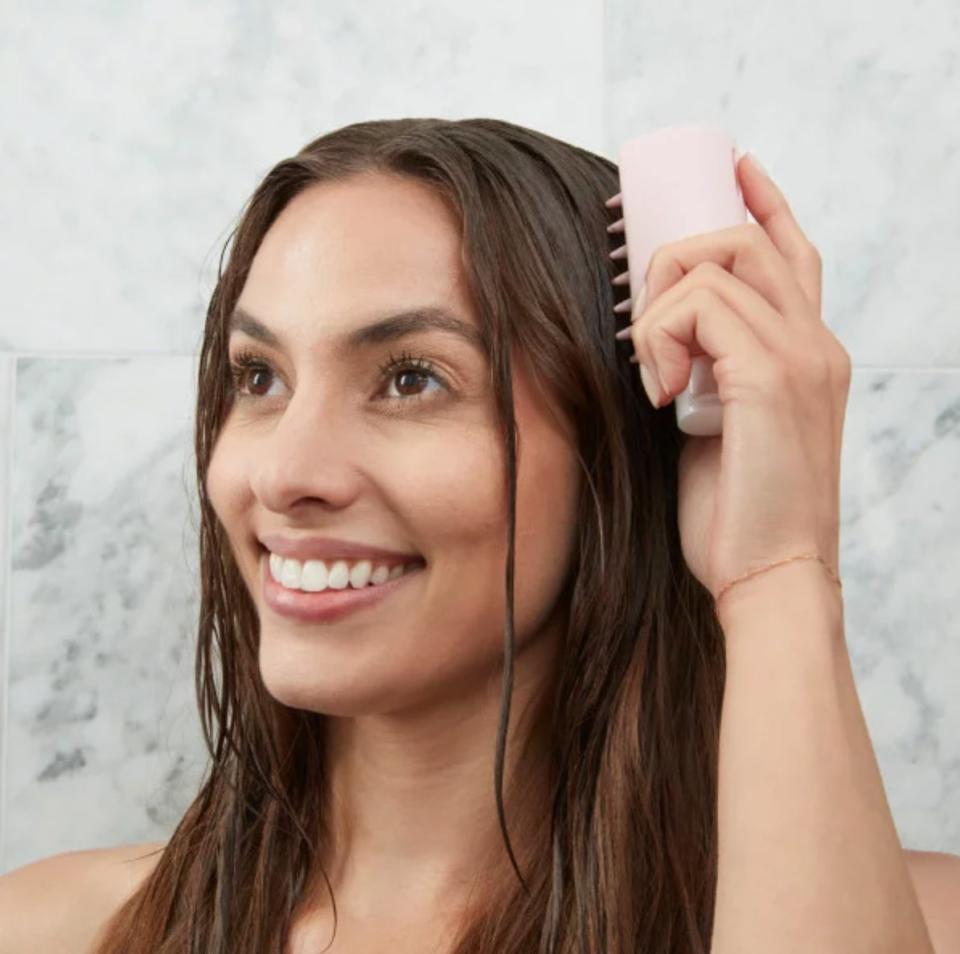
676 182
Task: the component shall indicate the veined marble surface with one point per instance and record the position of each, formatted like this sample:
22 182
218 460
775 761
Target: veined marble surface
136 138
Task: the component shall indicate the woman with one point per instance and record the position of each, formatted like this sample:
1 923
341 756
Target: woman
517 745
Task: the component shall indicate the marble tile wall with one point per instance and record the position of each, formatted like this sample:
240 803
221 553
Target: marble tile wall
137 134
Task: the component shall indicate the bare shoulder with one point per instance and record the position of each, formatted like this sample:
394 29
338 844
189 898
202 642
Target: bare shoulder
936 878
57 905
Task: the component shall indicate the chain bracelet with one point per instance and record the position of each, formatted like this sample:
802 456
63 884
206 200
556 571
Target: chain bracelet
762 569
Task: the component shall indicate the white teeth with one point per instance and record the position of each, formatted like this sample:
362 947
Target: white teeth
359 574
313 576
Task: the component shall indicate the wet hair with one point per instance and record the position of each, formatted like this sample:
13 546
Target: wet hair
620 853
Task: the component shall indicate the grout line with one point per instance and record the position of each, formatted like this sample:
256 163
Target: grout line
94 355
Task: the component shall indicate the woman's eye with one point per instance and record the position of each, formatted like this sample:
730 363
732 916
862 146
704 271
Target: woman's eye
244 367
413 368
410 371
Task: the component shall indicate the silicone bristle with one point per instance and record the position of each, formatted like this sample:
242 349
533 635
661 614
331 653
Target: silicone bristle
617 228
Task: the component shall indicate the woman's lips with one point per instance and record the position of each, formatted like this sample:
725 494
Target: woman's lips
327 605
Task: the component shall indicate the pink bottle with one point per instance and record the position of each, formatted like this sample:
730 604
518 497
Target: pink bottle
676 182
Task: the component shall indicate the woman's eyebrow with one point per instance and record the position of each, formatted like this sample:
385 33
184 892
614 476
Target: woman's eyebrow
388 328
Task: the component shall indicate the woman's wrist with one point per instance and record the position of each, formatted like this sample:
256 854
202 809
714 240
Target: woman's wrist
797 590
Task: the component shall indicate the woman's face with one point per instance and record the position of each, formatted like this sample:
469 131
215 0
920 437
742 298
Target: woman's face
326 444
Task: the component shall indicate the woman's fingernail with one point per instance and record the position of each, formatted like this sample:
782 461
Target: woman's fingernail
623 333
650 385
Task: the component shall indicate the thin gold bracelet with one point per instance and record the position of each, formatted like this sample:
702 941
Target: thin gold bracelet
803 556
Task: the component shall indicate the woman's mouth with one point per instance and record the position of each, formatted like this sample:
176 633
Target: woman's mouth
344 588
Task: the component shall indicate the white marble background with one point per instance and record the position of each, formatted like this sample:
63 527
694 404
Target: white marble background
134 133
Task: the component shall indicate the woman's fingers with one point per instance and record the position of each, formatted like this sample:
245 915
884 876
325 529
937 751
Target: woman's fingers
745 251
764 320
702 322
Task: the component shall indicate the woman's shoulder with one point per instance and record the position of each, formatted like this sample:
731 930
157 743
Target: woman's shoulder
936 880
59 903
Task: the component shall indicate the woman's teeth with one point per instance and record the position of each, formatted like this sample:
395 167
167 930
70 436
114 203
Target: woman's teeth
312 576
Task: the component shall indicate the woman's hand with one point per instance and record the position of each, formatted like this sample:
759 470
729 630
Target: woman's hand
768 488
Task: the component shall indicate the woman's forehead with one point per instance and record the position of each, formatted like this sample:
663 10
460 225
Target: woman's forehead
379 240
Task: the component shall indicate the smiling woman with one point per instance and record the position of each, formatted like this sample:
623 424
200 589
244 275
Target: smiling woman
409 361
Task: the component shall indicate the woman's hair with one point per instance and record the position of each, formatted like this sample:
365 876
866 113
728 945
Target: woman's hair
624 859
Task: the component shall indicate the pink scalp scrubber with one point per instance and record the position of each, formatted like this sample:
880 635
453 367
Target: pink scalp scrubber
676 182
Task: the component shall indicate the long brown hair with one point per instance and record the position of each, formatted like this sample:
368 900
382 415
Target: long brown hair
628 858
